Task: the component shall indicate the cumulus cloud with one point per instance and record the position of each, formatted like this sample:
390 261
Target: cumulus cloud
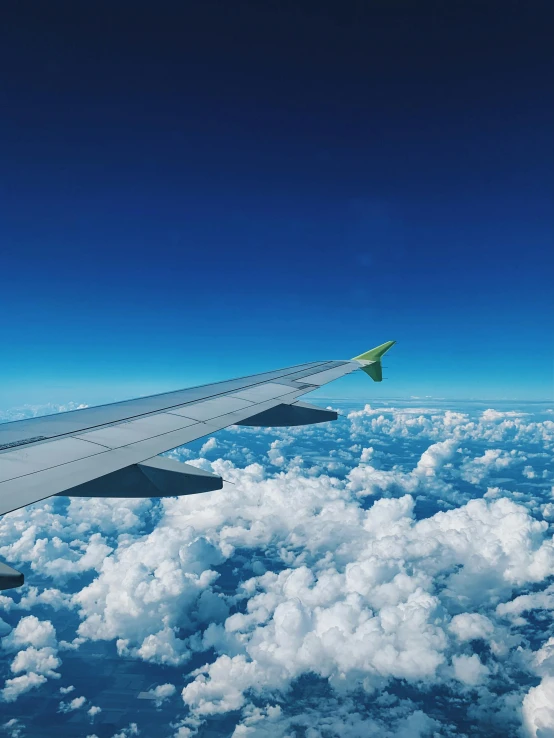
160 694
17 686
538 710
41 661
72 705
22 539
491 426
210 445
144 589
541 600
372 620
471 626
493 460
52 597
30 631
436 456
36 645
469 669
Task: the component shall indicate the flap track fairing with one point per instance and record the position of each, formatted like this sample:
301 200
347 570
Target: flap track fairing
299 413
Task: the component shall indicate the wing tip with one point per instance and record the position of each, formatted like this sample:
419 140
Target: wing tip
374 354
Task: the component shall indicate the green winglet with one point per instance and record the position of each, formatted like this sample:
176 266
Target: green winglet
375 354
374 370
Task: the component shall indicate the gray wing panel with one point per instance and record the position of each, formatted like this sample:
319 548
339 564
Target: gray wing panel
331 373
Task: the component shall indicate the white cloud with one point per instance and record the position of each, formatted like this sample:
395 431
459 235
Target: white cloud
74 704
469 669
436 456
144 589
17 686
220 687
538 710
493 415
493 460
111 516
54 598
471 626
373 620
367 454
36 645
492 426
542 600
22 538
161 693
210 445
41 661
30 631
275 454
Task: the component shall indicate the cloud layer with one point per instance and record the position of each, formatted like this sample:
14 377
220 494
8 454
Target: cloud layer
384 575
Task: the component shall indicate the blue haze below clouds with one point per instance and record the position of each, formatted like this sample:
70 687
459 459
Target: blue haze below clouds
193 193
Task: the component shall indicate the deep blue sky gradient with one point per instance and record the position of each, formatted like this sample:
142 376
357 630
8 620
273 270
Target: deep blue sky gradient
198 190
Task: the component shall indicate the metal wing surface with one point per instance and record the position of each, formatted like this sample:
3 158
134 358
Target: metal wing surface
55 454
112 450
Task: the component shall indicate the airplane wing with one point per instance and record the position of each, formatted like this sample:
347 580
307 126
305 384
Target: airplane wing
112 450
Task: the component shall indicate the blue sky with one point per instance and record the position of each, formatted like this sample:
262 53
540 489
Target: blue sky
206 190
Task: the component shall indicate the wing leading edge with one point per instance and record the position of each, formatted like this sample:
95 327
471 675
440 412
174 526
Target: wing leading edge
112 450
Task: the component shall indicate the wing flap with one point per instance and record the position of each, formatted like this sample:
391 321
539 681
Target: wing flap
298 413
158 477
